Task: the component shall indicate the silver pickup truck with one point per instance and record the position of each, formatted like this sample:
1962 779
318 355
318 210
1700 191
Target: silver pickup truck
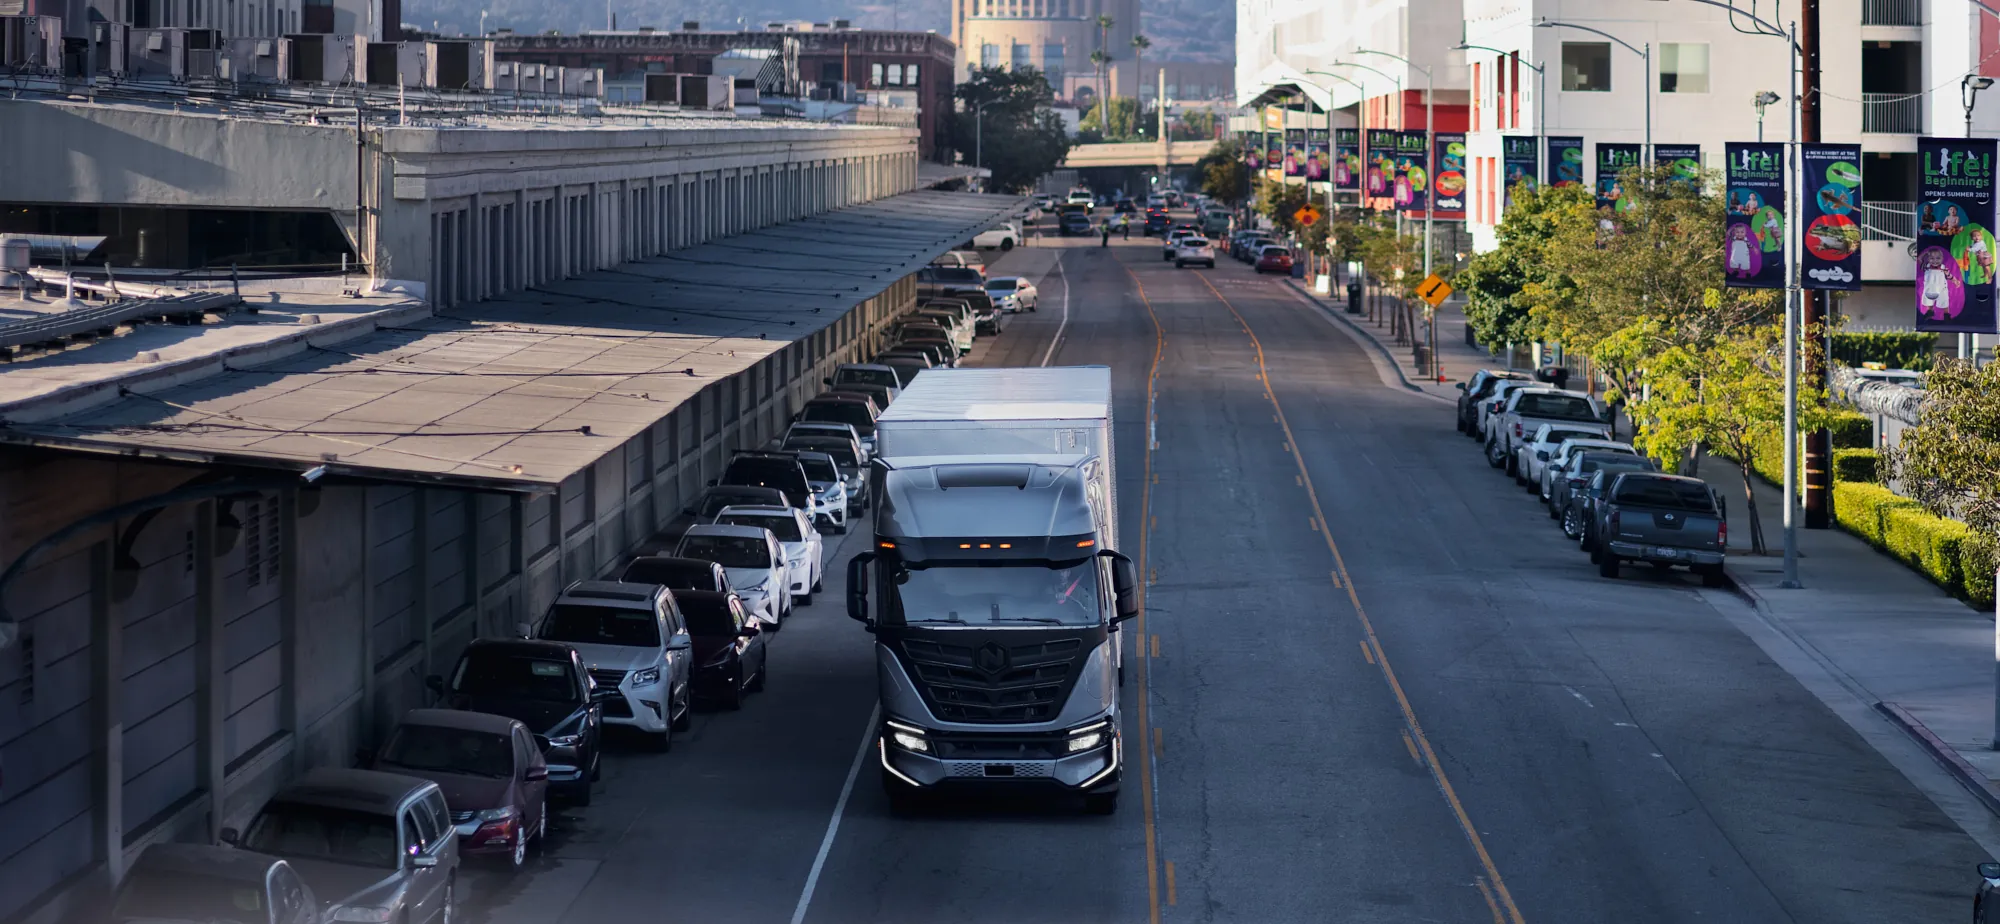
1525 410
1663 520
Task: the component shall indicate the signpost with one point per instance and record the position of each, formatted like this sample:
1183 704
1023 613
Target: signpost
1307 215
1434 290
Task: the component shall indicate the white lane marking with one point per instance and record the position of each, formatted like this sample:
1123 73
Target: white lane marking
1056 341
839 809
1580 697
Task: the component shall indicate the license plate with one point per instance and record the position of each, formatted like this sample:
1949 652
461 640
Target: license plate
1665 552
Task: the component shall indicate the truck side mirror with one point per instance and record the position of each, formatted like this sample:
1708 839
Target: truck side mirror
1124 584
857 586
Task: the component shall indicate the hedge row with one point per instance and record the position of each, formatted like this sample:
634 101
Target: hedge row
1858 465
1852 430
1897 350
1946 551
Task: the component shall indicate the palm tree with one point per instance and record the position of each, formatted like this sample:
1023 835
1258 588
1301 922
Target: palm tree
1139 45
1099 59
1104 24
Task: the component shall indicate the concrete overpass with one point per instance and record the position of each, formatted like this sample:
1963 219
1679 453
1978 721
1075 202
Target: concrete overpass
1137 154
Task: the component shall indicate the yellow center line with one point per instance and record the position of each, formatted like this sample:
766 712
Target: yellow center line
1367 653
1170 882
1500 893
1145 665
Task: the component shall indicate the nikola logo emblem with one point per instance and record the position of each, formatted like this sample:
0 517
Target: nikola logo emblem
991 658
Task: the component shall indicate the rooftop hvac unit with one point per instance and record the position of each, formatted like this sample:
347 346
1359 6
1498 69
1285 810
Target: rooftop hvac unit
663 89
449 66
583 81
690 26
506 77
174 53
746 91
397 64
318 58
266 59
30 43
110 49
705 92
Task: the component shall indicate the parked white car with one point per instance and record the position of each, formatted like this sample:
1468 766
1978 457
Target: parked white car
804 550
754 561
1568 450
632 640
1013 293
1535 454
1194 250
1004 236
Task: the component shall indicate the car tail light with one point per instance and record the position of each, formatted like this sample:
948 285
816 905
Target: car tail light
1517 429
1722 535
1614 522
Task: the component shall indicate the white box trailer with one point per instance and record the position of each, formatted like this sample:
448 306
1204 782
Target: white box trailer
1035 411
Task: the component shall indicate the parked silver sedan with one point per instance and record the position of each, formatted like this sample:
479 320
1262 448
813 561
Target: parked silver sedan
210 883
1534 455
1565 452
1013 293
373 846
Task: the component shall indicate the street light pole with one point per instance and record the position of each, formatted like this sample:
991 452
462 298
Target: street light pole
1430 178
1645 54
1968 93
1361 130
1541 93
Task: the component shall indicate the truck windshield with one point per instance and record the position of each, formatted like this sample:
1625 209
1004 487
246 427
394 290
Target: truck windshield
1062 594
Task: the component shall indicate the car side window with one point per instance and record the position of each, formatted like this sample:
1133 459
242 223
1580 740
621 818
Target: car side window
440 816
288 895
673 612
418 830
736 612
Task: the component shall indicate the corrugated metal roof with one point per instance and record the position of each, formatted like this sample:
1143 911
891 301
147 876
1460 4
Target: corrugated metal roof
525 390
1057 392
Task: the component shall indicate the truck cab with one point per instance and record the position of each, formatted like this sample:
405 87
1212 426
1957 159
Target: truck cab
995 600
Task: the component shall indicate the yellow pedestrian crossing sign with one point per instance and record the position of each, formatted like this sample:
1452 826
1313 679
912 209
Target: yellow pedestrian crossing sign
1434 290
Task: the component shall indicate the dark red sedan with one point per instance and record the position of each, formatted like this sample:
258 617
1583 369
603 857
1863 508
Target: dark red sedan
1274 259
494 777
728 646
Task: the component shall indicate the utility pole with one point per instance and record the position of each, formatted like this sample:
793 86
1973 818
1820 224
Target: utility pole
1812 320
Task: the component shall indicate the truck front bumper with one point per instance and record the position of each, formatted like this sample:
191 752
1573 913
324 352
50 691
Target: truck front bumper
953 761
1668 554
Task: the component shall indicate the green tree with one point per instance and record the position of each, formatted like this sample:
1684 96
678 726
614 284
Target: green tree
1950 461
1019 137
1223 175
1496 307
1139 45
1124 120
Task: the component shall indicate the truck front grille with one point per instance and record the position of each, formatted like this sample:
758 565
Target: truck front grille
973 683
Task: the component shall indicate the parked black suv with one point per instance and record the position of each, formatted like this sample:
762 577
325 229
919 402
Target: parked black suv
779 470
543 685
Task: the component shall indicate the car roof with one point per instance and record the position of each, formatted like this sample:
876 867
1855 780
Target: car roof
533 647
814 454
769 510
461 718
742 490
1591 442
837 397
609 594
723 529
357 790
695 599
872 367
211 860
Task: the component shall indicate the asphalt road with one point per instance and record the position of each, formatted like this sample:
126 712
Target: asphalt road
1381 687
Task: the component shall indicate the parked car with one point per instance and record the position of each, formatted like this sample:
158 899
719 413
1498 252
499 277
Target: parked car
1013 293
1535 452
827 428
880 394
1575 496
729 648
212 883
1075 224
947 267
1251 245
1194 250
1480 388
935 275
1489 409
495 780
1172 244
1553 470
1528 408
372 846
864 374
755 563
829 486
939 347
1274 259
545 686
676 574
1986 902
633 643
779 470
906 367
1003 236
802 546
1663 520
712 500
846 454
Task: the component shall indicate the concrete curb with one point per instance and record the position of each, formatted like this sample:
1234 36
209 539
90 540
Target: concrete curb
1360 332
1743 590
1974 781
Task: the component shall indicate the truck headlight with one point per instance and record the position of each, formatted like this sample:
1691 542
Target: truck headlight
1088 736
908 737
646 677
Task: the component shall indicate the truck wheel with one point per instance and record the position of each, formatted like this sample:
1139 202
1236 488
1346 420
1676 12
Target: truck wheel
1493 456
1101 803
1607 564
1713 576
1513 465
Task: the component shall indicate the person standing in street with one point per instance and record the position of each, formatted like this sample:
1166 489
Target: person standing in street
1105 229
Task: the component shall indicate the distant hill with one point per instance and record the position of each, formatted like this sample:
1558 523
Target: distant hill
1182 30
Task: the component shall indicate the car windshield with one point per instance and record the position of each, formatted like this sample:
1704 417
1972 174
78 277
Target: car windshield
492 673
1276 252
709 619
1616 466
842 451
318 832
769 473
821 469
847 412
1661 492
601 625
1001 285
451 750
1557 407
866 377
958 274
727 551
1558 436
784 527
182 896
986 595
673 575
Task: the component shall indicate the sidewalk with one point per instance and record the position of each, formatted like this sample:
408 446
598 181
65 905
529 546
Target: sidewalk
1457 359
1923 659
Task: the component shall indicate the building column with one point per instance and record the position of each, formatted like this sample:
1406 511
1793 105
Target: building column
289 713
211 694
107 724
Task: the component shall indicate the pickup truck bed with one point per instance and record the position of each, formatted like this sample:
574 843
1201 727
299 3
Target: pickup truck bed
1664 520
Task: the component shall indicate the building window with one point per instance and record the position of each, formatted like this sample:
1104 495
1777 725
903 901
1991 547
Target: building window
874 75
1587 67
1052 66
989 55
1024 56
909 75
1683 67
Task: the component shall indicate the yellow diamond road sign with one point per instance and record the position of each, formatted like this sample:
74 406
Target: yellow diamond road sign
1306 215
1433 290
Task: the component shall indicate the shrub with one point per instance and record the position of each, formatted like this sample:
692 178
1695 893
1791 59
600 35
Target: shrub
1856 465
1946 551
1852 430
1897 350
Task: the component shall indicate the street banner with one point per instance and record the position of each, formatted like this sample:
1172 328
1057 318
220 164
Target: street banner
1753 231
1413 179
1381 175
1274 118
1830 184
1954 281
1520 158
1253 151
1274 154
1295 152
1448 156
1316 165
1347 158
1612 159
1565 161
1683 161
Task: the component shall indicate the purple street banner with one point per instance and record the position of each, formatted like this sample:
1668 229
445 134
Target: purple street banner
1683 161
1448 156
1347 158
1521 162
1253 152
1753 231
1295 152
1274 153
1565 161
1612 159
1954 281
1381 164
1413 178
1316 165
1830 186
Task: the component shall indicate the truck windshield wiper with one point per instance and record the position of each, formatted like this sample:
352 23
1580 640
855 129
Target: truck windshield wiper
1040 620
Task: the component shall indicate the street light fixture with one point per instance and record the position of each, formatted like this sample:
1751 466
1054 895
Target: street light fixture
1762 99
1430 177
979 133
1645 53
1541 88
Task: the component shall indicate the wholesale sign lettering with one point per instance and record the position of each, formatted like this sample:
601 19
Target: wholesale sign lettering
1448 155
1316 166
1830 187
1520 157
1753 231
1565 161
1412 175
1612 159
1954 281
1347 158
1295 152
1381 174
